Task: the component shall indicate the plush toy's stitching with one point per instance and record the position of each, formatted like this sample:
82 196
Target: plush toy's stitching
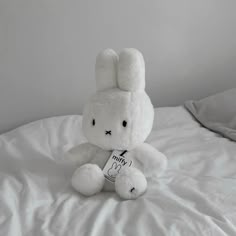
132 189
108 132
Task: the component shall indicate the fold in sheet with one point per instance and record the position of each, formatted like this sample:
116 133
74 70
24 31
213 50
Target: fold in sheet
195 196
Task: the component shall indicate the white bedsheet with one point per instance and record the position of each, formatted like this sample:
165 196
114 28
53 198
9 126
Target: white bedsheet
195 196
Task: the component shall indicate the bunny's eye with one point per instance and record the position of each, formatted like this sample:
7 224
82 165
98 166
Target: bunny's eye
93 122
124 123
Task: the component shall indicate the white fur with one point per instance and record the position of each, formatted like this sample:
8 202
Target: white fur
131 70
109 109
106 69
130 183
88 179
117 99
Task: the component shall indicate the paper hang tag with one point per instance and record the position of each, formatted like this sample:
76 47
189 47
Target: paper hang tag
115 163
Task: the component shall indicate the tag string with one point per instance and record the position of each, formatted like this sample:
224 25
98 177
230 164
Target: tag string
123 153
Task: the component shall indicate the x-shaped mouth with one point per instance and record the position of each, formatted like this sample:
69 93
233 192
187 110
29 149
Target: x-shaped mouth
108 132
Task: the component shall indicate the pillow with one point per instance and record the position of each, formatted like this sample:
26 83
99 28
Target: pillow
217 112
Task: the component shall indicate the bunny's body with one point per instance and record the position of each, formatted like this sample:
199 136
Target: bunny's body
118 117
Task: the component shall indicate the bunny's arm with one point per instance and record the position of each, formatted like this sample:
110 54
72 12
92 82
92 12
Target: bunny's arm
149 160
82 153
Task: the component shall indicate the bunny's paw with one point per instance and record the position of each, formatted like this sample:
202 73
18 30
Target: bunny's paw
88 179
130 183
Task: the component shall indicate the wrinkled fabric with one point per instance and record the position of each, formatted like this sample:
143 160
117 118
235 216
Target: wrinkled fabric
195 196
217 112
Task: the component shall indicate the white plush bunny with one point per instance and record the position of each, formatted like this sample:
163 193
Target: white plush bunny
116 121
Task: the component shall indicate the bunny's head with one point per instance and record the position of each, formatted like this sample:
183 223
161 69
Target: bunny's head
120 114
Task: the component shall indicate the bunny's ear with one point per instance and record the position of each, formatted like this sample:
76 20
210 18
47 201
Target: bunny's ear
131 70
106 69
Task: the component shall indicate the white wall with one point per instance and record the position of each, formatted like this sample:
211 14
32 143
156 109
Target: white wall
48 48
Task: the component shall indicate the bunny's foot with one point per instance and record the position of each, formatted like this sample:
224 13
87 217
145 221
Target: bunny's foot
88 179
130 183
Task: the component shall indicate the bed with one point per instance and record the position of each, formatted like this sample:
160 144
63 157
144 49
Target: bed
195 196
